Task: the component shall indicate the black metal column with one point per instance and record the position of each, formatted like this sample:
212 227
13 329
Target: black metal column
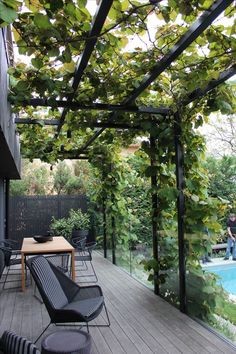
154 215
113 239
104 229
7 194
179 155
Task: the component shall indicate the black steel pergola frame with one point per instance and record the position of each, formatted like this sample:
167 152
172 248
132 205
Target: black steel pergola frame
203 22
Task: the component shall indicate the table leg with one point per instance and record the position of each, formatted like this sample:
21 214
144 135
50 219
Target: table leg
22 271
73 264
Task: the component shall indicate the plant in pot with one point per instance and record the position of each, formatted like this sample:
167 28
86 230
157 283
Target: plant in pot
61 227
79 222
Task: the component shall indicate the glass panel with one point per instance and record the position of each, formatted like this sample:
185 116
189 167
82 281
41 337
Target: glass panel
169 266
210 284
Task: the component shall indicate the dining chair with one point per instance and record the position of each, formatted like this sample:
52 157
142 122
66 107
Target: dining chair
13 244
11 260
83 255
2 263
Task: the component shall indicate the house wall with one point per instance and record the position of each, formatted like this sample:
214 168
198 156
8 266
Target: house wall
10 161
2 209
9 141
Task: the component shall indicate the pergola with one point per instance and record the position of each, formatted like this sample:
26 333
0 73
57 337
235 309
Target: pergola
128 105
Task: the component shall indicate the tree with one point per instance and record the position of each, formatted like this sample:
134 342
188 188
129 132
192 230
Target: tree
35 180
18 188
220 134
62 176
39 181
75 185
222 177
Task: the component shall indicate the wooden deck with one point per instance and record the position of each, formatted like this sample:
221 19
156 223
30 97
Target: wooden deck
140 321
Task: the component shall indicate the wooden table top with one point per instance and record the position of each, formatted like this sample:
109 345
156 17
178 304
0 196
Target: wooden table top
58 244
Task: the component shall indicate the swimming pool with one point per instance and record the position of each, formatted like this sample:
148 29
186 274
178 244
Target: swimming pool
227 274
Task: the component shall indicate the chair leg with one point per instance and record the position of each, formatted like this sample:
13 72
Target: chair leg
100 325
42 332
82 267
94 272
89 276
108 319
5 280
10 271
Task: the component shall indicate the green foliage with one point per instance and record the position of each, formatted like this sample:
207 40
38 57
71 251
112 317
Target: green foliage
18 188
53 34
39 179
138 202
222 177
77 220
8 11
61 177
35 180
203 293
227 310
74 186
61 227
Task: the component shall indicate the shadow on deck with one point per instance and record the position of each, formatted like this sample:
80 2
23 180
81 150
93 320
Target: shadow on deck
141 322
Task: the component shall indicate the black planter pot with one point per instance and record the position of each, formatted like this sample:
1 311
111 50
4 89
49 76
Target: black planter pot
79 233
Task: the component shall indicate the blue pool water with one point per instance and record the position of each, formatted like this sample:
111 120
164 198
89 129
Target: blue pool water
227 274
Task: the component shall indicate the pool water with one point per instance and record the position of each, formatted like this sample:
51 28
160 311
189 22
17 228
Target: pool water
227 274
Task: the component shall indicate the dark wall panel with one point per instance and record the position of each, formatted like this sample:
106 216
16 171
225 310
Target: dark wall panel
9 141
32 215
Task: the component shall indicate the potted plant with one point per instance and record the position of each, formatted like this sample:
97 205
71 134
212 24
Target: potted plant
61 227
79 222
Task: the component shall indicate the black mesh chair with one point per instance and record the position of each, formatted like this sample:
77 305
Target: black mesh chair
13 245
2 263
61 261
11 260
10 343
83 256
66 301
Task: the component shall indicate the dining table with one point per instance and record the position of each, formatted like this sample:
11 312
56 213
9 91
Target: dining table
58 245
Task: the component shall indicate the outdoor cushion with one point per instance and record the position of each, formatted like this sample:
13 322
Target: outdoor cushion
14 344
86 307
50 283
67 342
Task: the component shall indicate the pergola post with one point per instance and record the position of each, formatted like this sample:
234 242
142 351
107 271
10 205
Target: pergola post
179 160
104 228
154 214
113 239
7 193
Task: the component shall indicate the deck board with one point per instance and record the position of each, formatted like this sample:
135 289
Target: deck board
140 321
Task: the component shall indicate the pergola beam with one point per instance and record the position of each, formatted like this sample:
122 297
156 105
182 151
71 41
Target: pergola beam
91 140
34 102
37 121
91 41
55 122
74 157
190 36
198 93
